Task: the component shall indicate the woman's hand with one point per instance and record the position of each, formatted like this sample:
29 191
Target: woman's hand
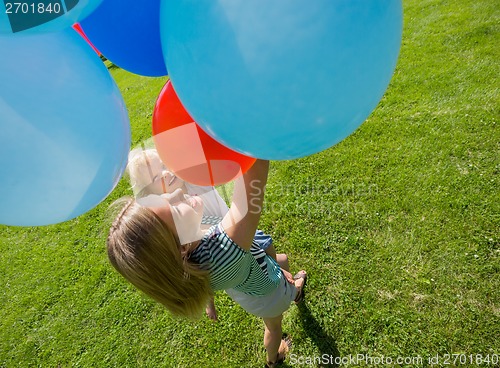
288 276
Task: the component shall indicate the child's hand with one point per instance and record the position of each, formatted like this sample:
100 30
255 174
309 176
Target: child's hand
211 311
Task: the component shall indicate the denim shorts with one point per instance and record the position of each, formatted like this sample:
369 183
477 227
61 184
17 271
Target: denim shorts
267 306
263 240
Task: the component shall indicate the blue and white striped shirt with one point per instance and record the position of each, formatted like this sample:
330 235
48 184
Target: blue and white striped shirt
251 272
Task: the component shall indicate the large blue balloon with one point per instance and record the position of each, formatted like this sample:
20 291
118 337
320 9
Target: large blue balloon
64 129
280 79
127 32
38 16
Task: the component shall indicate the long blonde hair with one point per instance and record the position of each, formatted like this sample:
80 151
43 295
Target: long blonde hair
143 249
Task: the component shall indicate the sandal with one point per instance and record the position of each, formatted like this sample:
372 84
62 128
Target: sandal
300 295
280 358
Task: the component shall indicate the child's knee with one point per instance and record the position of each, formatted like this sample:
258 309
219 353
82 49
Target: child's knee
282 257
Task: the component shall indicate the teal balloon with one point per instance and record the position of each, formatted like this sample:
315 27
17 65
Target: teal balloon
279 79
64 129
40 16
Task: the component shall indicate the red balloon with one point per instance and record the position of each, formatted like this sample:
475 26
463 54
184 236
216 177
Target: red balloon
187 150
80 31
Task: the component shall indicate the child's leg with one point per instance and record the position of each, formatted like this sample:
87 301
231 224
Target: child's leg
211 310
270 251
265 242
282 260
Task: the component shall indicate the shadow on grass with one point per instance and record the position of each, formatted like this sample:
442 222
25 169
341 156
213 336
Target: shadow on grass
326 345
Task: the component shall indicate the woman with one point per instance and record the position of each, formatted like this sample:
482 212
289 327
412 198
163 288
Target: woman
158 245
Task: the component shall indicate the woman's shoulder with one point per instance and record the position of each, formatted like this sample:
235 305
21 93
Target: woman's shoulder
216 239
207 239
213 236
217 248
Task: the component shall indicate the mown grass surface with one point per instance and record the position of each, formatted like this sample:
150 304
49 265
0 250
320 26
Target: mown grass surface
398 226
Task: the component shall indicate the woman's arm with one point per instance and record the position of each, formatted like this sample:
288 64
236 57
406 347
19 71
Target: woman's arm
243 217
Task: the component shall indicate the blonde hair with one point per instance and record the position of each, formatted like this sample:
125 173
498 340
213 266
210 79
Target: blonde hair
140 169
143 250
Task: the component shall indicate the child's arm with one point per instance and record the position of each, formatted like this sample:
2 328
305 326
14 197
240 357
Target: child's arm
243 217
270 251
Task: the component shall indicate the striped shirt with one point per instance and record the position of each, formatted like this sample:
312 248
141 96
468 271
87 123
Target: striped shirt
251 272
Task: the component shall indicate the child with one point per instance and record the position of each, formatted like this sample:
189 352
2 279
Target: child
148 175
158 245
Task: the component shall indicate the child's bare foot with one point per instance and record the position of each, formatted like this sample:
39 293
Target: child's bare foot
211 311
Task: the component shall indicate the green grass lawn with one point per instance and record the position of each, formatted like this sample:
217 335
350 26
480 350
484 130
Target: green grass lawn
398 227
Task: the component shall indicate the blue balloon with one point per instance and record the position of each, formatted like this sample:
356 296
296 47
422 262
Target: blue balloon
280 79
128 34
64 129
40 16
